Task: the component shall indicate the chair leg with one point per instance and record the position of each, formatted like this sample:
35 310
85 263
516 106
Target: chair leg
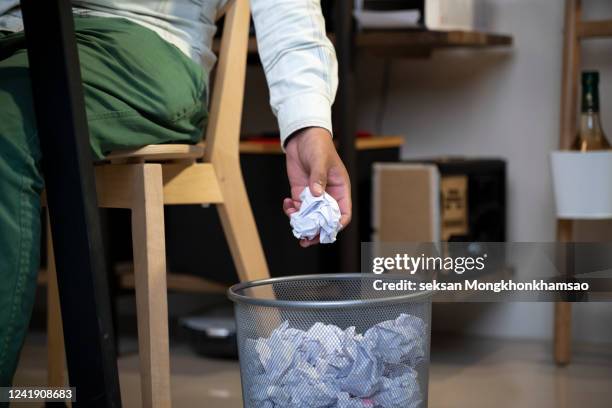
150 281
56 355
563 310
563 332
239 226
242 235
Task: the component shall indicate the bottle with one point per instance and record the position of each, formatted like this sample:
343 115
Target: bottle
590 135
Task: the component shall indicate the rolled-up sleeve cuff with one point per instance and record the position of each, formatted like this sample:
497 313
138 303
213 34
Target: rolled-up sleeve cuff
301 111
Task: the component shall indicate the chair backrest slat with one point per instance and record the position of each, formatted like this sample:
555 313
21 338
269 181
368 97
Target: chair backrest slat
223 131
221 12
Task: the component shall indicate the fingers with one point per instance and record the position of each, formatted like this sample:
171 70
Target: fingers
346 210
317 181
345 220
289 206
305 243
345 203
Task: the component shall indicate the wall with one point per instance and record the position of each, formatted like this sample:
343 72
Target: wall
502 103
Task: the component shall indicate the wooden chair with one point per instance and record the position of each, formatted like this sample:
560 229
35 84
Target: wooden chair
145 179
576 31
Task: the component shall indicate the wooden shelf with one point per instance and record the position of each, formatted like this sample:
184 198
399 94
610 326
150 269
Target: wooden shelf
423 42
366 143
431 39
594 29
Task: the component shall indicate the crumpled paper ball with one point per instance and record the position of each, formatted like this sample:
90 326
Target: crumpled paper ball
316 216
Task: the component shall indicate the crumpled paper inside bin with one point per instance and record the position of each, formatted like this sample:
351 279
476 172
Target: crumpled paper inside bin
327 367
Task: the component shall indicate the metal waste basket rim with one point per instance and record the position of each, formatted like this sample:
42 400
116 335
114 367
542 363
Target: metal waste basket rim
411 297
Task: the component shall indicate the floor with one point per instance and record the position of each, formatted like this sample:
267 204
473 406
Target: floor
465 372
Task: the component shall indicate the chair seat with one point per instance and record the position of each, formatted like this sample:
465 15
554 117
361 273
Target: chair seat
152 153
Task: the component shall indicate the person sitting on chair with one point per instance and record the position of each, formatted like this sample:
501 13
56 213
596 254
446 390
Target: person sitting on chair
145 66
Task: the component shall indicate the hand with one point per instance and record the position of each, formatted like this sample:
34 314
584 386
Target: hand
312 161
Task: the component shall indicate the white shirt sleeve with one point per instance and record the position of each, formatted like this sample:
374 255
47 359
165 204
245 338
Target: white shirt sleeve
299 62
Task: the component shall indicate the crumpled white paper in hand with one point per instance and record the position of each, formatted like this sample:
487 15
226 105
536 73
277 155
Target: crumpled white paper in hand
327 367
316 216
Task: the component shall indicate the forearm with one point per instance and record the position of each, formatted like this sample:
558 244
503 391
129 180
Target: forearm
299 62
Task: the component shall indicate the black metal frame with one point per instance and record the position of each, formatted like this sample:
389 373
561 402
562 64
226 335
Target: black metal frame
345 126
71 197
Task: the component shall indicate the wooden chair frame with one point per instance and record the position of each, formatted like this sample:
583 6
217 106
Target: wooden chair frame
144 180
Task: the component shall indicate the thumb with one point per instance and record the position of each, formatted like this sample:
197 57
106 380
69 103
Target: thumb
318 179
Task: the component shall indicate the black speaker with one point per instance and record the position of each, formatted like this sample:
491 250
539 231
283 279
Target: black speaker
473 199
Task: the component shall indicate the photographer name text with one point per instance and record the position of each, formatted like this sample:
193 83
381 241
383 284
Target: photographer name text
475 285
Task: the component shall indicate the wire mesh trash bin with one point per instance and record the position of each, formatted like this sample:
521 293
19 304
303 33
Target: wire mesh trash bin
332 340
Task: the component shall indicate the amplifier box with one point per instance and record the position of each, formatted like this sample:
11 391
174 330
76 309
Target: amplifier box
440 200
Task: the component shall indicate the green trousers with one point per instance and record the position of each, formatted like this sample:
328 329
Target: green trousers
139 90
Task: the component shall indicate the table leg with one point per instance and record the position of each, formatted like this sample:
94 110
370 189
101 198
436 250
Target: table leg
72 202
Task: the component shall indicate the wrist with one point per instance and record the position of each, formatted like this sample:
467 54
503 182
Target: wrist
308 135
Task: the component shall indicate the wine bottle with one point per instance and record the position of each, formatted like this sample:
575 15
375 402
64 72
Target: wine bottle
590 135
